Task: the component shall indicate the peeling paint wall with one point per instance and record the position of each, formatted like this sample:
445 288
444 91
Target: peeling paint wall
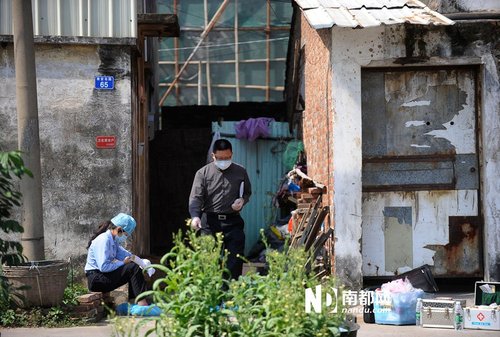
464 43
454 6
430 212
81 185
346 87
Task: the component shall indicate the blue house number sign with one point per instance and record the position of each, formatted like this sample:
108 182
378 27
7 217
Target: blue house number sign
104 82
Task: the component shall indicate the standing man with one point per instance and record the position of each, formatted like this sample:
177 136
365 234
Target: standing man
220 190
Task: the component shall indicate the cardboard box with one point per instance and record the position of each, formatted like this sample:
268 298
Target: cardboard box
396 308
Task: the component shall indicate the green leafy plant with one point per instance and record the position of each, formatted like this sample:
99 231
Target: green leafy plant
11 166
37 317
273 305
8 318
197 301
72 292
59 316
192 287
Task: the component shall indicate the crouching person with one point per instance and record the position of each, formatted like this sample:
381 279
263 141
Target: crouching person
110 266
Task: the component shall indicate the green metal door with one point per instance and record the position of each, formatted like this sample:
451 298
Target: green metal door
263 159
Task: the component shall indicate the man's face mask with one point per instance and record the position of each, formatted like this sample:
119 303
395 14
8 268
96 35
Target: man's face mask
222 164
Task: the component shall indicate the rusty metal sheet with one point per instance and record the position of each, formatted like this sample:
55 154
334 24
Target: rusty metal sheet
427 112
466 172
432 215
462 255
419 151
398 175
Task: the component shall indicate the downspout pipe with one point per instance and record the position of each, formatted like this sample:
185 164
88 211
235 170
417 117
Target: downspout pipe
473 16
32 239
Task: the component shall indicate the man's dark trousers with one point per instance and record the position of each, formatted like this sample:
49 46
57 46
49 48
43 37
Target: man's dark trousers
231 226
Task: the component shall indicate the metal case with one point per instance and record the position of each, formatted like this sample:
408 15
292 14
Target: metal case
481 316
439 313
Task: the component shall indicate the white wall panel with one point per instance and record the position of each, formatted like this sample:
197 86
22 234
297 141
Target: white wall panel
95 18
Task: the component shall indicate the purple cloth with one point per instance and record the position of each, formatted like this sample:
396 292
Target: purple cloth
253 128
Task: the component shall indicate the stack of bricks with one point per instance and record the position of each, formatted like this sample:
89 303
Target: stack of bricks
304 201
91 307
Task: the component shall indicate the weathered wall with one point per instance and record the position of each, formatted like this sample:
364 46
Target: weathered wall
81 185
350 50
466 42
455 6
317 115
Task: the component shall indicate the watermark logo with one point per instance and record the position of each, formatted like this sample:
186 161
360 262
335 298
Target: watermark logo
316 300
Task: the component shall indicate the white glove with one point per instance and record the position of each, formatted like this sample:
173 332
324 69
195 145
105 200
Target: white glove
238 204
143 263
150 271
195 223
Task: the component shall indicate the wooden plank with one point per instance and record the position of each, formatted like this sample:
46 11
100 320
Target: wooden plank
316 227
310 221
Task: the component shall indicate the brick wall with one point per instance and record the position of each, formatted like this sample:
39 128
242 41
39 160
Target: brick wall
318 115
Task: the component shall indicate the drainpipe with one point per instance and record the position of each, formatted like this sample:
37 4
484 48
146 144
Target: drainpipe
27 129
473 16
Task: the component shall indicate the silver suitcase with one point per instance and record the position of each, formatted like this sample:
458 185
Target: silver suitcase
439 313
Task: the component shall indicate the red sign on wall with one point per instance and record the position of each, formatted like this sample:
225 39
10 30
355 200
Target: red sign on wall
105 142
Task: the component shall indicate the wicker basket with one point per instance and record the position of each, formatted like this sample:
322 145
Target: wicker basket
42 283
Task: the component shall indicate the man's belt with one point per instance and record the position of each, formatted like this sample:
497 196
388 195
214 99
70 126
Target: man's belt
221 216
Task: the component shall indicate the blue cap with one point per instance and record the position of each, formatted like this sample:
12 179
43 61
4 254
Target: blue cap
125 221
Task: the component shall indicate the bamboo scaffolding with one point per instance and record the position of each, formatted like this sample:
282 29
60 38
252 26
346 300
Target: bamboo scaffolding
176 46
279 59
236 52
228 86
202 38
268 48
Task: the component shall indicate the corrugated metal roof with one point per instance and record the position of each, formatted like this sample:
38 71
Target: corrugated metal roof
368 13
92 18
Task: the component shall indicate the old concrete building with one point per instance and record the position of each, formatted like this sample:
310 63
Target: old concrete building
93 138
400 119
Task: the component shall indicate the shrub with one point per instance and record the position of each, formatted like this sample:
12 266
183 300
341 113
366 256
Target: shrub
11 166
197 301
192 287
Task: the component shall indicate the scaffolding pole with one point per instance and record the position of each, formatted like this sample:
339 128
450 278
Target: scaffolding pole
236 52
202 38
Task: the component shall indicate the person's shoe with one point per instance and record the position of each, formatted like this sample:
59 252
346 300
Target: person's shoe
123 309
145 310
